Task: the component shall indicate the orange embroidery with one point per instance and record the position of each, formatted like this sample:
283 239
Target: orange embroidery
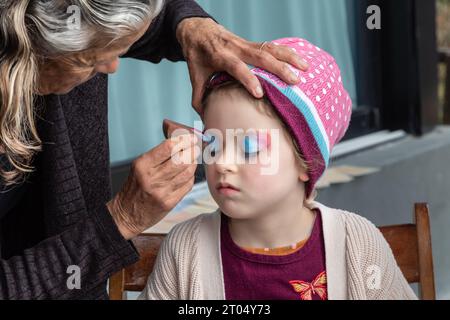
306 289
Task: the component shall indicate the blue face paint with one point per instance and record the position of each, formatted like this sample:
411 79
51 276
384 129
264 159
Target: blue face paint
250 145
210 143
205 137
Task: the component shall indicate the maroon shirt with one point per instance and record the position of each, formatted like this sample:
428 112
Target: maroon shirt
297 276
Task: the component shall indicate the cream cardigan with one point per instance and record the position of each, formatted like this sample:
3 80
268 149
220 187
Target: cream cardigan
359 262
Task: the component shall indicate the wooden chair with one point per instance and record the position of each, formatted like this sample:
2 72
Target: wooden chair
134 277
410 243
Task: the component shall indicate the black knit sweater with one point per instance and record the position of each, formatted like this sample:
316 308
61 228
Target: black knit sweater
58 217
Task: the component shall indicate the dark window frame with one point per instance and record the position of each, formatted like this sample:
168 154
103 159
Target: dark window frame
367 59
401 58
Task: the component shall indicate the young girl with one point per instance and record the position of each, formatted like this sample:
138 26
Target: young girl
269 239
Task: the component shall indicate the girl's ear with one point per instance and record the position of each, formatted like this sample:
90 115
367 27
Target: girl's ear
303 177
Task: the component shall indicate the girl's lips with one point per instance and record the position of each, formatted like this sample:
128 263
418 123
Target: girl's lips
227 189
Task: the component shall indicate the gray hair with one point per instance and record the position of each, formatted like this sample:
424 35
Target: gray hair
35 29
74 25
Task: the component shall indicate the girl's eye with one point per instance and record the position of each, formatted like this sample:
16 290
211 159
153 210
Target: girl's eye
251 146
254 144
210 143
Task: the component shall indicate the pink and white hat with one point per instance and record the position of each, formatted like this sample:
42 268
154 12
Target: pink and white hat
317 111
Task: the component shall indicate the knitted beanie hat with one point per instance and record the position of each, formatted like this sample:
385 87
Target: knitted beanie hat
316 111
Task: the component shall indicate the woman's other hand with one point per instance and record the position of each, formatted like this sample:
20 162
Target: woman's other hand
208 47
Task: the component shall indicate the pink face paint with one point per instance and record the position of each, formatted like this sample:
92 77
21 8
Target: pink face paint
264 140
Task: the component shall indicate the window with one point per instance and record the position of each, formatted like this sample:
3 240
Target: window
389 73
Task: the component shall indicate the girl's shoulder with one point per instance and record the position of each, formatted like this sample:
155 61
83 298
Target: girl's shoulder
368 256
359 231
345 218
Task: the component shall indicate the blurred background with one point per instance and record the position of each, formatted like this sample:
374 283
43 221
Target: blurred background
398 77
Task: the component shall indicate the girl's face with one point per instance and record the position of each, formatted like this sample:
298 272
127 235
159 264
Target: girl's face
236 179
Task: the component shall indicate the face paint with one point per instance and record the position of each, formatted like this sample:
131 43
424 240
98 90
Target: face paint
205 137
254 144
210 144
264 140
250 145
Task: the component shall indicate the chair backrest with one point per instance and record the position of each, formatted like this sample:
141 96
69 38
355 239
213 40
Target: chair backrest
410 243
134 277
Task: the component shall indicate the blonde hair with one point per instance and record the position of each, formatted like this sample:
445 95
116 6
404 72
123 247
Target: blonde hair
265 106
32 30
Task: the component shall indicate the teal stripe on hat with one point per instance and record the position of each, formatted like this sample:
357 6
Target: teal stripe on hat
310 120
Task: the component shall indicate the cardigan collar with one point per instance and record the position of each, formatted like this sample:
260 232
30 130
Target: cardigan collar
210 257
335 261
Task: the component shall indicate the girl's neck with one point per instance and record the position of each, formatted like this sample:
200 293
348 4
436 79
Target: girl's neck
286 225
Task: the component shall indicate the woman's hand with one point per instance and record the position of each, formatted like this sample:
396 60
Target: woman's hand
208 47
158 180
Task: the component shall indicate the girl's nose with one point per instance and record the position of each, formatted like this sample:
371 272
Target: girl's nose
109 67
224 168
226 163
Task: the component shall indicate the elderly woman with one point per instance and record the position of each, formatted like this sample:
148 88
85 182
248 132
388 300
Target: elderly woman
56 212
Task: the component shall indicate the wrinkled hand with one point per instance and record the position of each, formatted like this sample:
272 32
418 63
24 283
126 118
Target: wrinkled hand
158 180
208 47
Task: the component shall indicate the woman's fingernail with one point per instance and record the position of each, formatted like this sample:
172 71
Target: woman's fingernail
293 77
259 91
303 63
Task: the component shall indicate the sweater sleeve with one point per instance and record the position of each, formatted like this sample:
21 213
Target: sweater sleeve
175 275
160 40
94 249
400 289
162 283
394 284
374 271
